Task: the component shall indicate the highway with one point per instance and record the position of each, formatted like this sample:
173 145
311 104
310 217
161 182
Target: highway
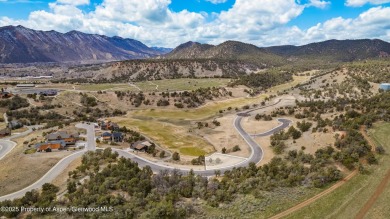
255 157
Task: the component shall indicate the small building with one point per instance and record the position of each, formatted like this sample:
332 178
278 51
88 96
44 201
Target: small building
106 136
50 146
5 132
117 137
25 85
69 139
50 92
385 86
109 126
140 145
5 94
15 124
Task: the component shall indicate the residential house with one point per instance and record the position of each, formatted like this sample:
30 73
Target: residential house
69 139
141 145
50 146
50 92
117 137
15 124
5 94
106 136
109 126
5 132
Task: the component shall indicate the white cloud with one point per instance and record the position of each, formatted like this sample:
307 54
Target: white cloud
319 3
358 3
74 2
217 1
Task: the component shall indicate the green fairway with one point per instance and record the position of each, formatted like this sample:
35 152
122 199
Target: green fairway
346 201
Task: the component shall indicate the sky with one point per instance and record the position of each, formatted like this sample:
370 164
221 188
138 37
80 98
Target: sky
168 23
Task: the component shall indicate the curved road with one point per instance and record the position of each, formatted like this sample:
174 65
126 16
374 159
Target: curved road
6 145
255 157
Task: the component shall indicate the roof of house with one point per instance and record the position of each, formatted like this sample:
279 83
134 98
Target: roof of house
117 135
61 142
139 145
146 143
61 135
106 134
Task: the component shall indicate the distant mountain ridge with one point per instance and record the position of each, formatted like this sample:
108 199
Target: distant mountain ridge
229 50
22 45
327 51
336 50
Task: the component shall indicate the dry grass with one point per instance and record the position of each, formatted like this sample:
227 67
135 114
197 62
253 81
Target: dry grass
176 138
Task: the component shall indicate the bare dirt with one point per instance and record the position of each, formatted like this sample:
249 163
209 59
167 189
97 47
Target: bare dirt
226 136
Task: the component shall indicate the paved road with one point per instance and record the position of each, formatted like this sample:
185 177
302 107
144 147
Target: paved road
6 145
255 157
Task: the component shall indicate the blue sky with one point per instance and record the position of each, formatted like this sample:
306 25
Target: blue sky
171 22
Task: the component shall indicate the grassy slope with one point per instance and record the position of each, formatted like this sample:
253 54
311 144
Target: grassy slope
346 201
381 209
163 85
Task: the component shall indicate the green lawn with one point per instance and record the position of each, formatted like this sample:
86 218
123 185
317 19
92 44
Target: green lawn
346 201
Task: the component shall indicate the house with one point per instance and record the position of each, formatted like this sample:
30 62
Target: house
5 132
69 139
109 126
106 136
49 146
5 95
141 145
15 124
117 137
50 92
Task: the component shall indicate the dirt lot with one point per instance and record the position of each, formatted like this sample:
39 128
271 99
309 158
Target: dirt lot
226 136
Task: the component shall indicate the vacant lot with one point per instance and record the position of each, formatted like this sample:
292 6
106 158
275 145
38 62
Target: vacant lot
168 135
346 201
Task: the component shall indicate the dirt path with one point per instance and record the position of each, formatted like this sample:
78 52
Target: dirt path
316 197
379 189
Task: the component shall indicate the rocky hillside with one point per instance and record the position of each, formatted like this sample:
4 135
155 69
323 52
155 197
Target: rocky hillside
229 50
335 50
23 45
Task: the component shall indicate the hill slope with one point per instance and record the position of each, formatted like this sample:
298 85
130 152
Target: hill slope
23 45
335 50
229 50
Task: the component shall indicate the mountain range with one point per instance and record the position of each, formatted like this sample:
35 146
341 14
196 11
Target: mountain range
22 45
